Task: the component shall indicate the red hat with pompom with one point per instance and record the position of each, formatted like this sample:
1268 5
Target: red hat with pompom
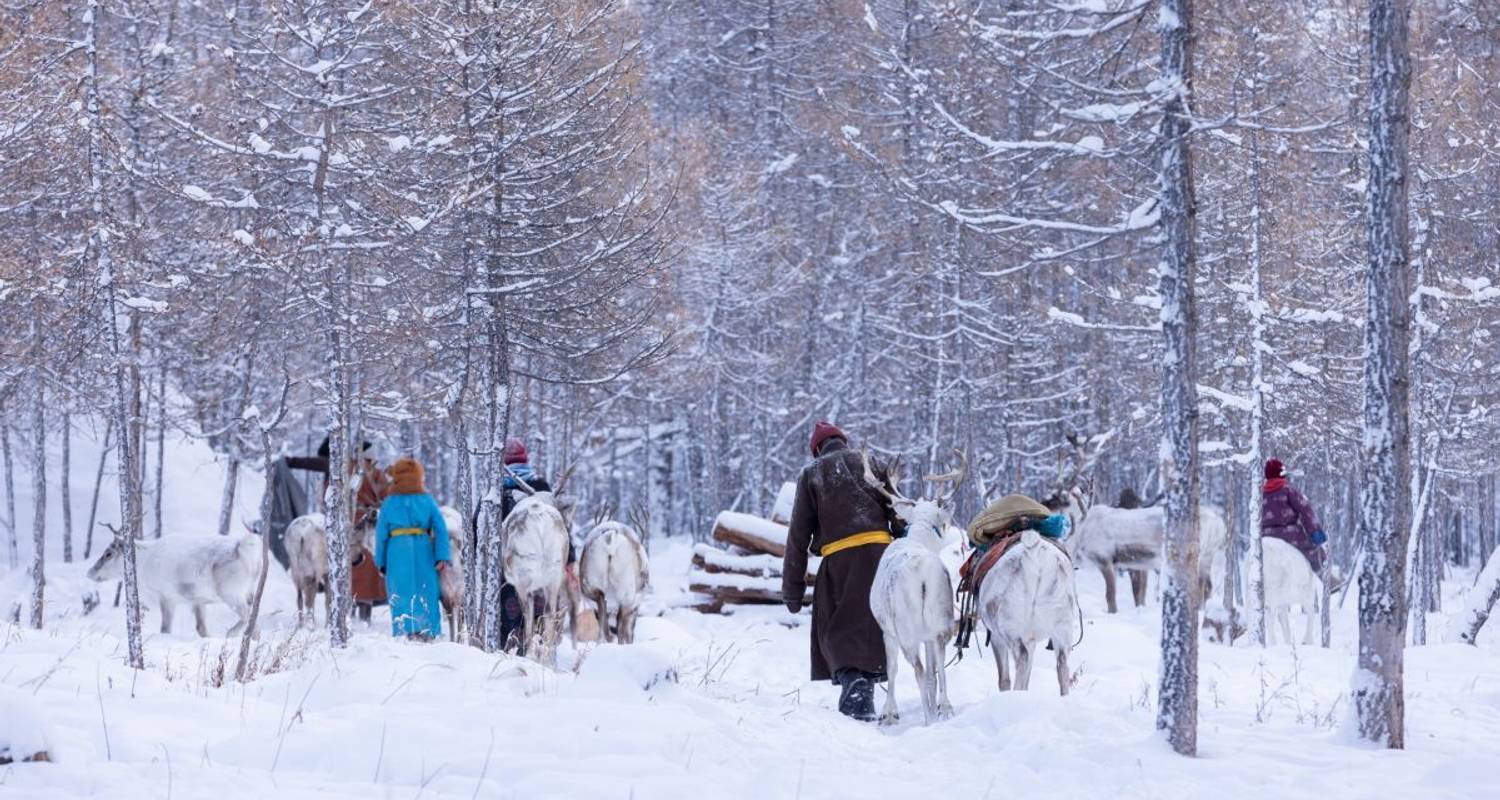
1274 469
822 432
514 452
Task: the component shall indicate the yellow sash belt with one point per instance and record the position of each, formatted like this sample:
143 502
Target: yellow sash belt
856 540
408 531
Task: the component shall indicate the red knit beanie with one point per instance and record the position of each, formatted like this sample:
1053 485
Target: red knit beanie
1274 469
514 452
822 432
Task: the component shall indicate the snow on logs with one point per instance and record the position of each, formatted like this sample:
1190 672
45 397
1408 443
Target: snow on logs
748 572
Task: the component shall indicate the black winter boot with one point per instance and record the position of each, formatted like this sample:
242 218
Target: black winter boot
858 698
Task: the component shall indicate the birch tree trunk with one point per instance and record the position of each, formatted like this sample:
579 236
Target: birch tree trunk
161 449
226 500
1385 500
122 358
38 493
12 549
67 491
88 533
232 470
251 630
1255 596
1178 712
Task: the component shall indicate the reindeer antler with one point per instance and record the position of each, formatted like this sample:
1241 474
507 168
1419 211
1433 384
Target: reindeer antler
562 480
893 472
954 478
601 514
640 519
1068 471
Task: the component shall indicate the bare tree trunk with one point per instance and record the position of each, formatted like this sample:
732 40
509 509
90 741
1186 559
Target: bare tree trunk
226 499
1255 596
1385 500
38 494
161 448
12 548
339 518
1178 712
66 487
88 533
122 359
251 630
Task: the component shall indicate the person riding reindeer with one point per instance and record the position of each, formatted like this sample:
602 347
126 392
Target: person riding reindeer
518 469
839 516
1285 514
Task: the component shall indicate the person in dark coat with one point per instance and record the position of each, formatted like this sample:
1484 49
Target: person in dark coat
1128 499
518 466
1286 515
366 583
840 517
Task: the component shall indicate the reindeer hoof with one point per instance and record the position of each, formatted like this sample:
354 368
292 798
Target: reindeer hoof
887 720
945 711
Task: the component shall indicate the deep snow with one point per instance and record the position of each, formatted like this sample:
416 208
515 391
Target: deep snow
706 706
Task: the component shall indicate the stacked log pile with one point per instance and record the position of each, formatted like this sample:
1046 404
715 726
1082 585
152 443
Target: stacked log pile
745 569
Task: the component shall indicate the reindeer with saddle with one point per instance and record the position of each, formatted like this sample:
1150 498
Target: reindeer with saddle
1019 582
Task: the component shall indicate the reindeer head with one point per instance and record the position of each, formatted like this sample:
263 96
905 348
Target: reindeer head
926 519
111 563
1072 492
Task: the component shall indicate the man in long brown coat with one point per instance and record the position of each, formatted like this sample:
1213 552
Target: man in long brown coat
839 516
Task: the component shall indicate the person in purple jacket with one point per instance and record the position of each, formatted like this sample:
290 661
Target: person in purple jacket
1286 515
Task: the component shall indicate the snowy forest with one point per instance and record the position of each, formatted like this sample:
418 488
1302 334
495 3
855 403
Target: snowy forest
657 240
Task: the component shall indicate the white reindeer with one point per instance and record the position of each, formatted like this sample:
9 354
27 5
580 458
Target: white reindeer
613 573
451 582
1132 539
1289 581
912 595
1028 598
534 555
306 542
192 571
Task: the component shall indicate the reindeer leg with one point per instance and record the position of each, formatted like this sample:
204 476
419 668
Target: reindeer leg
1284 619
1109 586
892 660
1023 666
553 625
198 621
528 624
1002 662
242 611
627 625
1064 675
914 657
1310 612
166 614
935 653
1138 586
601 603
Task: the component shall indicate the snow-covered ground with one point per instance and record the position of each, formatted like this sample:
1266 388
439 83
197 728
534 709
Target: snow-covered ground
707 706
702 706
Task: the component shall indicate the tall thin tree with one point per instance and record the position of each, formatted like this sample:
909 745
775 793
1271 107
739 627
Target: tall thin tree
1385 500
1178 712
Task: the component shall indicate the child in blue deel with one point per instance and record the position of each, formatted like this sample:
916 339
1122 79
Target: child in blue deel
411 548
